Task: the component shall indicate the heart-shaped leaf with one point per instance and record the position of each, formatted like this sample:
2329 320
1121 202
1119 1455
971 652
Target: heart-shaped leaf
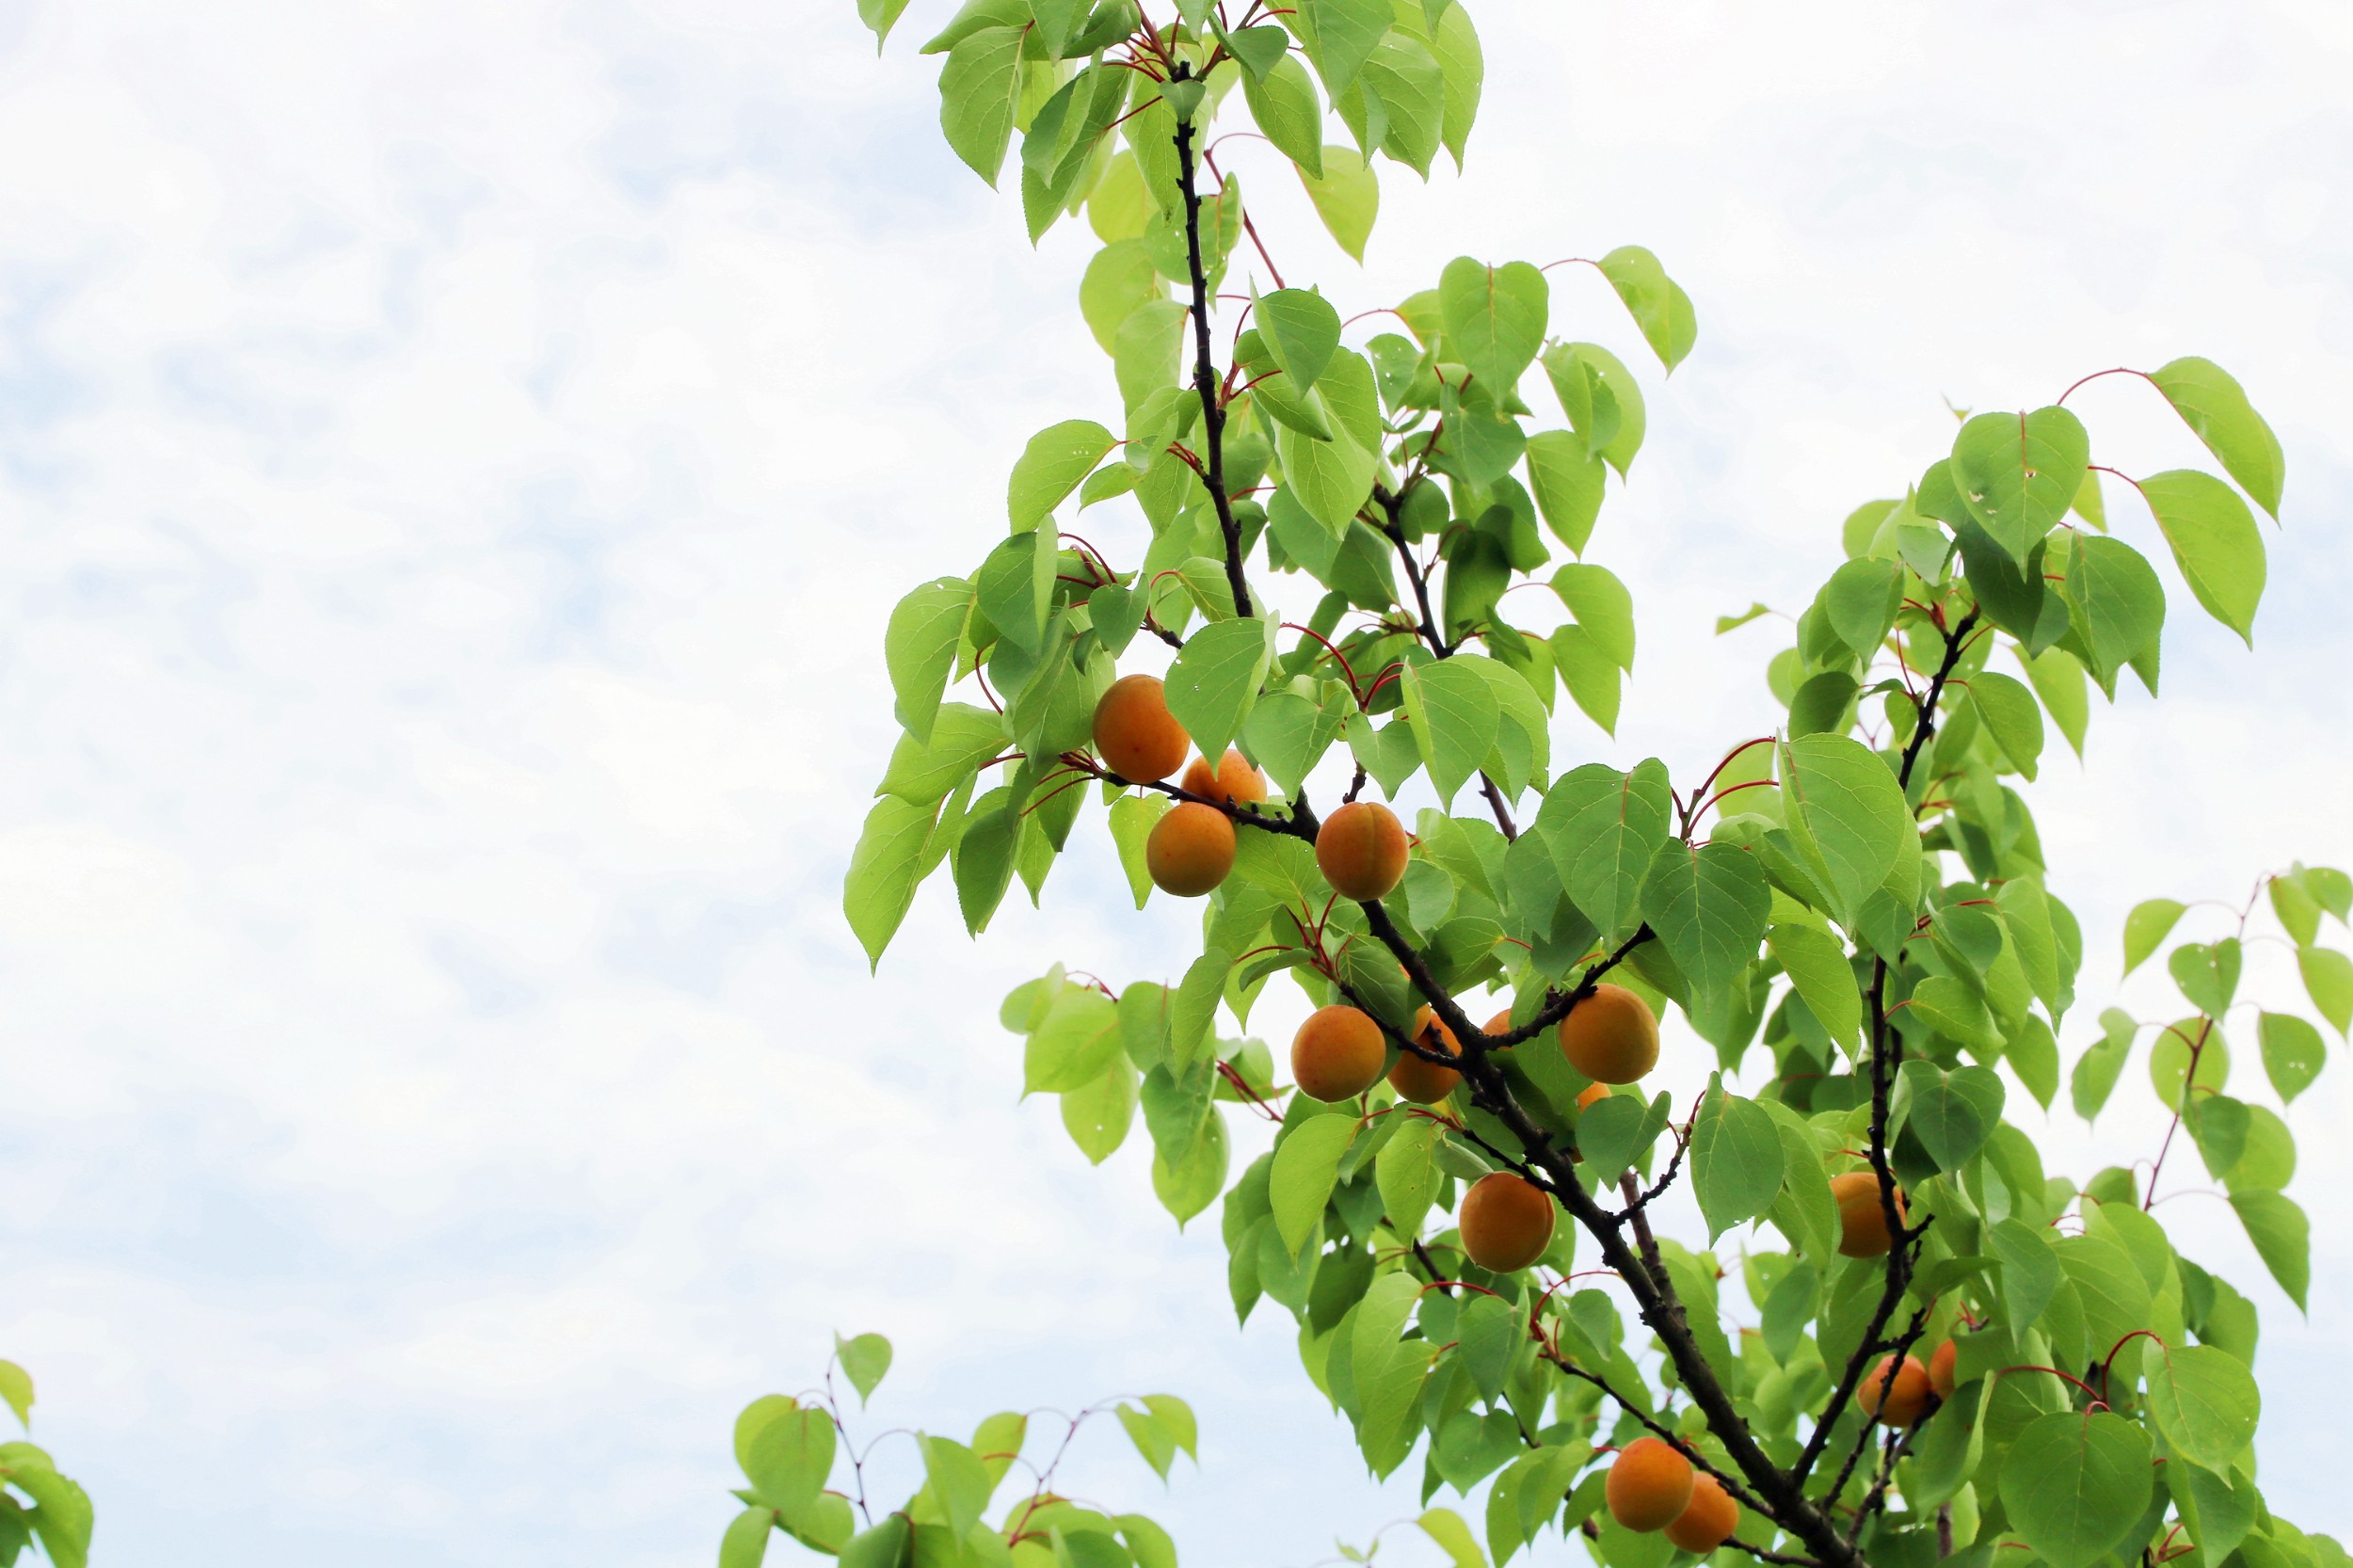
2074 1484
2208 974
2017 474
1952 1113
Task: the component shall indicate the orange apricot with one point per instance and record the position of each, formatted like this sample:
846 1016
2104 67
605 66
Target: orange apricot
1708 1520
1861 1223
1507 1221
1611 1036
1649 1486
1898 1403
1361 849
1232 782
1136 735
1425 1083
1941 1368
1337 1052
1590 1092
1190 850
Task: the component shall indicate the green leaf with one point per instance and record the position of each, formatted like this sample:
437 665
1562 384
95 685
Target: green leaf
1259 49
2118 606
788 1459
2283 1237
963 737
1406 1173
1097 1115
2058 680
1176 1419
1846 811
1601 605
2170 1059
1455 717
1601 398
1288 733
978 88
2147 927
2204 1400
1283 102
1347 196
1333 478
1073 1044
1214 681
2011 715
2017 474
1605 827
1816 965
1494 318
1613 1132
1709 906
16 1388
1456 45
2214 405
2030 1269
1445 1527
958 1482
2207 974
1567 481
2097 1069
1302 328
1132 820
1735 1160
2215 542
1589 673
1861 600
2293 1053
1192 1183
1658 306
746 1543
1306 1164
920 649
2328 980
1409 85
883 871
2075 1485
879 17
1953 1010
1056 458
885 1546
864 1360
1952 1113
1342 35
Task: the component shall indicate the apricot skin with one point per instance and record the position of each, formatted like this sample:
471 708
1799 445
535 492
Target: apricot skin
1361 849
1233 782
1336 1055
1425 1083
1190 850
1134 732
1905 1401
1507 1221
1941 1368
1708 1520
1591 1092
1649 1486
1611 1036
1861 1223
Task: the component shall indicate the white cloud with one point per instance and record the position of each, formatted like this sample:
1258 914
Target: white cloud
457 459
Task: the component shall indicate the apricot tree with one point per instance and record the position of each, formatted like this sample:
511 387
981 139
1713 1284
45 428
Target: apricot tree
1312 508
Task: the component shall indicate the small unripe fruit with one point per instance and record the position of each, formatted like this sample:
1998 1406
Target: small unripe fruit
1898 1403
1190 850
1233 782
1361 849
1941 1368
1507 1221
1611 1036
1649 1485
1425 1083
1134 732
1590 1092
1336 1055
1708 1520
1861 1223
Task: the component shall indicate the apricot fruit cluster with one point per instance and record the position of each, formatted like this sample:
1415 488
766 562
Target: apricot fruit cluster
1652 1487
1899 1401
1611 1036
1337 1052
1862 1219
1190 850
1135 734
1425 1083
1361 850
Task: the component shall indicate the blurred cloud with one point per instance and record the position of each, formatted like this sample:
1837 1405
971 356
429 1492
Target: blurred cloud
455 460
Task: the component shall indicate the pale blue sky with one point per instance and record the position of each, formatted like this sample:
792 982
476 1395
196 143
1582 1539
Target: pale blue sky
455 460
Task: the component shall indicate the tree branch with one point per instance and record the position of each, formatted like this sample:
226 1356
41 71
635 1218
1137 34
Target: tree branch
1204 376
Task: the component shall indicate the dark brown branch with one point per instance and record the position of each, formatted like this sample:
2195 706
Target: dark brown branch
1664 1434
1205 376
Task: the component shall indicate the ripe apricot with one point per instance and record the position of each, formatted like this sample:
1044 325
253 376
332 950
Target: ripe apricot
1233 782
1899 1403
1507 1221
1134 732
1425 1083
1861 1223
1941 1368
1336 1055
1708 1520
1649 1486
1361 848
1190 850
1611 1036
1590 1092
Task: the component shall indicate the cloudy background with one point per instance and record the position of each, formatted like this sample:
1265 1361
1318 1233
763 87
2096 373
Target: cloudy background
453 460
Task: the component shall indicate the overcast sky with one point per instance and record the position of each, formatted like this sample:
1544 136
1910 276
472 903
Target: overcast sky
455 460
